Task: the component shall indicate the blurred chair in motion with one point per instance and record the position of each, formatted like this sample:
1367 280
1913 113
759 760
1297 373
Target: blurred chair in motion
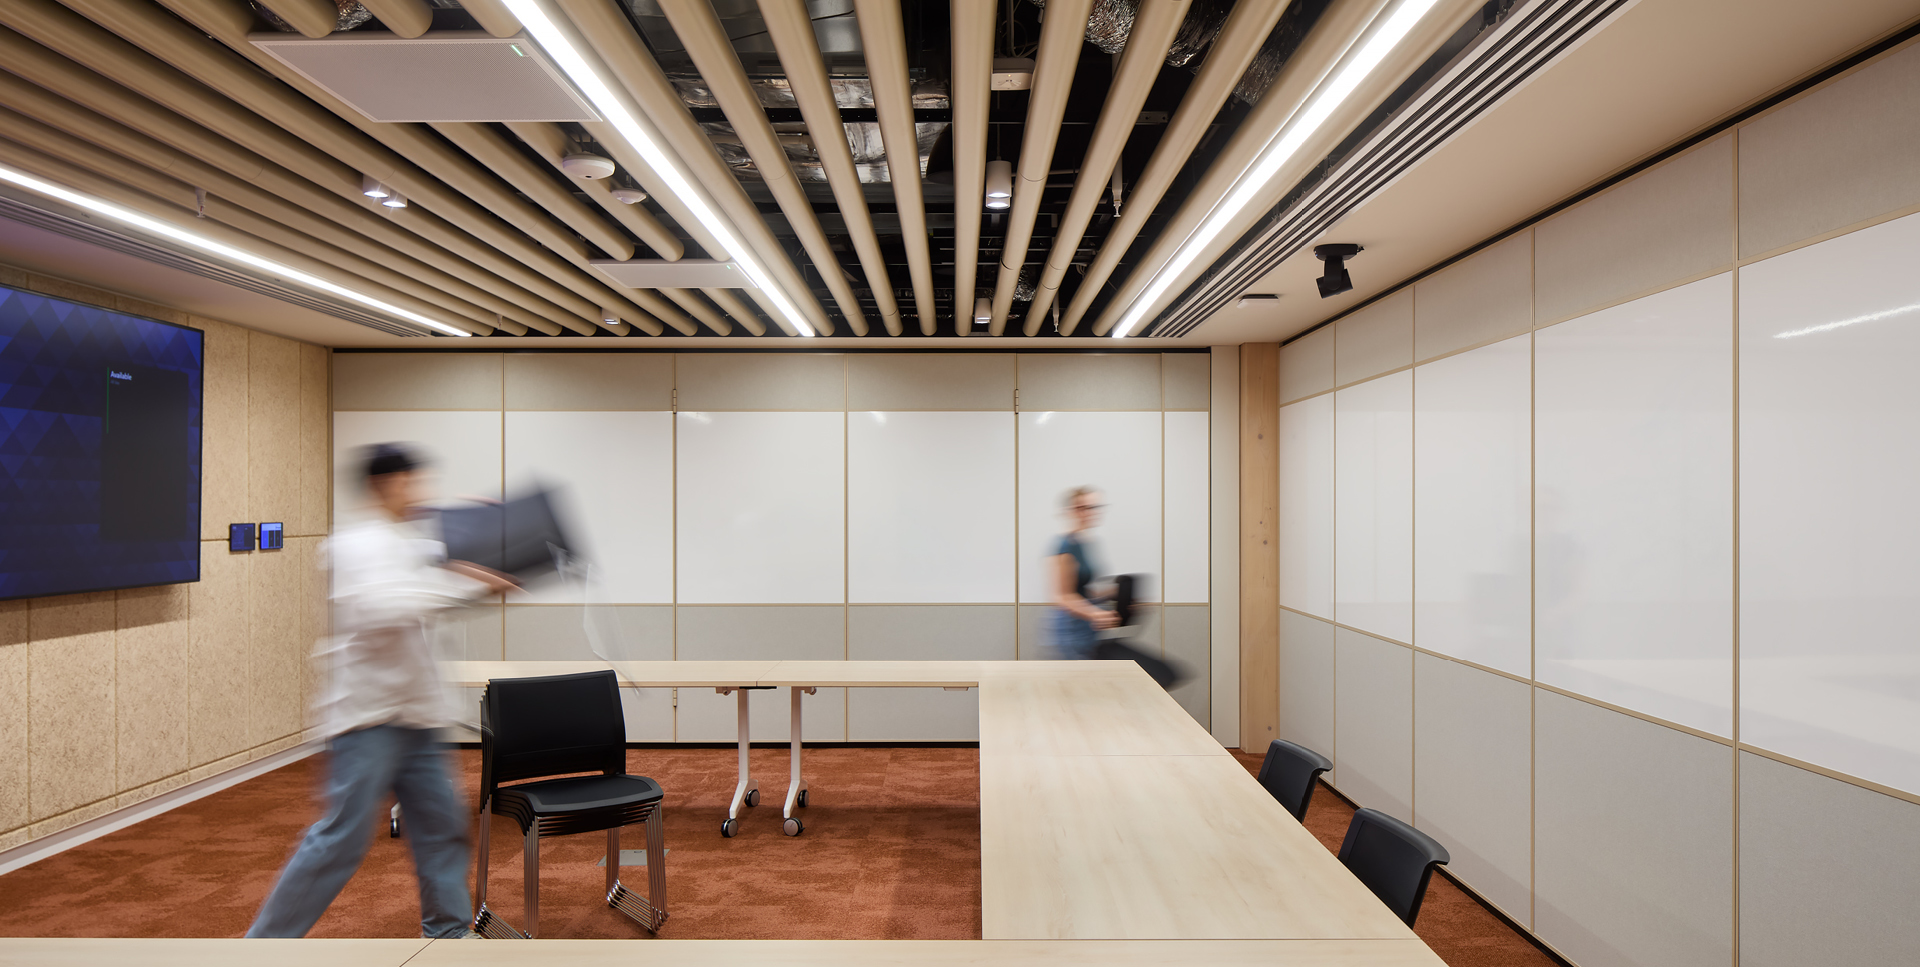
1290 772
532 728
1393 859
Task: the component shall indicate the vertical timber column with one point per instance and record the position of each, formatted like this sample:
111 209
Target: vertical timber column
1259 545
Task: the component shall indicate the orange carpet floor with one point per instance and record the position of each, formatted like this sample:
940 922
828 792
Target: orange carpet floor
891 850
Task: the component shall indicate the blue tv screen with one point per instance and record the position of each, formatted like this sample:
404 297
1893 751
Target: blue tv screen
99 448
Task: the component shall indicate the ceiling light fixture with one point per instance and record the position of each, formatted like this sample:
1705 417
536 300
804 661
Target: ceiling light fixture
372 188
394 200
222 249
999 185
982 312
533 16
1391 29
1334 279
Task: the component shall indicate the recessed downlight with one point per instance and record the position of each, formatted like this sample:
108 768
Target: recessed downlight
394 199
372 188
999 185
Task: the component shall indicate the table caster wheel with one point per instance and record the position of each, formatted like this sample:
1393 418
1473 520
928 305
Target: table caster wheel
801 799
792 827
393 829
728 827
753 797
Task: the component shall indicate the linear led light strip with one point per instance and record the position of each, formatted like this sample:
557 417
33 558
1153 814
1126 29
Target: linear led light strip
1325 100
558 46
221 249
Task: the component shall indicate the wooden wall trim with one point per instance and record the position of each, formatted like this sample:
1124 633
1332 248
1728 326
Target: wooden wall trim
1259 545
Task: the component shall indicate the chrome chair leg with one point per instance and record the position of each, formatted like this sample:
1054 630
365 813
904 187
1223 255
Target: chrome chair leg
651 912
530 855
485 922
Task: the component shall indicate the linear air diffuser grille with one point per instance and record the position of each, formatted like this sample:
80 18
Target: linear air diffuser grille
447 75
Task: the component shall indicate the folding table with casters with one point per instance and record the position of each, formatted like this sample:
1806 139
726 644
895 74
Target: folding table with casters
747 790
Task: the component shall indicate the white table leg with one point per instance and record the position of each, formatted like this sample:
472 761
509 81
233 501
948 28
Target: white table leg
747 791
796 786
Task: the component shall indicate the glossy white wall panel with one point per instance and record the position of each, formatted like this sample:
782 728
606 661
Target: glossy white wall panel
761 512
1829 456
1116 452
1472 502
462 445
1373 722
1633 551
1373 506
1187 481
612 473
930 507
1306 506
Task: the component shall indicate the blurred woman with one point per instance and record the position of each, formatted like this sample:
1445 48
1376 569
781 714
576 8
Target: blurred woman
1070 572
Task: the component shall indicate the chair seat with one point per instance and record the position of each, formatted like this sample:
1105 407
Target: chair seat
579 794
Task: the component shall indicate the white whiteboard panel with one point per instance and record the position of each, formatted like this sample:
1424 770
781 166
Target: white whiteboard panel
1472 502
930 501
1306 506
612 473
462 447
1373 501
1188 478
1633 522
1116 452
761 508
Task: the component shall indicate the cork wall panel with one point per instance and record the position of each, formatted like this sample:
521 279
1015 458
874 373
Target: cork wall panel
70 709
217 666
275 660
14 661
315 507
273 428
313 620
223 429
150 683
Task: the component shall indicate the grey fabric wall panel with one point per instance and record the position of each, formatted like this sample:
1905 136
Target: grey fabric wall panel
1373 722
1473 776
1189 642
1374 340
1837 156
1035 643
416 381
1306 684
740 633
473 633
1673 222
589 381
1186 380
1482 298
930 632
928 381
1633 839
1306 365
1088 381
913 715
1827 870
559 632
761 381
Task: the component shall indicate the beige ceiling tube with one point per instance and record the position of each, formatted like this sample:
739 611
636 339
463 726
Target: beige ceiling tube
884 40
690 300
1318 55
390 154
493 16
314 18
80 123
1240 40
486 146
791 30
1154 25
706 40
613 38
408 18
971 89
1061 36
179 210
548 141
104 56
737 307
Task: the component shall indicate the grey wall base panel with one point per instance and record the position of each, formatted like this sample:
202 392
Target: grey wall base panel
913 715
1473 777
560 632
1306 685
1373 721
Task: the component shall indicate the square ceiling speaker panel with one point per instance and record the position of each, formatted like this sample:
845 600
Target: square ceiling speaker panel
448 75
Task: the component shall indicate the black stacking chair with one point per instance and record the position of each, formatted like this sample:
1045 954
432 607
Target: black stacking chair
1290 772
560 725
1393 859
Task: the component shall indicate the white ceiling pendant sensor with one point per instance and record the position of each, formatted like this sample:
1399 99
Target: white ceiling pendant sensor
587 166
629 196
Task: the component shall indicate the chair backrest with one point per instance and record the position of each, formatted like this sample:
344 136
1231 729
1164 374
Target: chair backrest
1290 772
1393 859
549 726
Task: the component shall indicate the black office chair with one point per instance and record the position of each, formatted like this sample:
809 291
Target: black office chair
1393 859
1290 772
531 728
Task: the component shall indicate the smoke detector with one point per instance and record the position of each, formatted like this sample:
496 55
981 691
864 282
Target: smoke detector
588 167
629 196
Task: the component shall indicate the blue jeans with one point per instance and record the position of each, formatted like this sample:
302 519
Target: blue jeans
1073 636
366 763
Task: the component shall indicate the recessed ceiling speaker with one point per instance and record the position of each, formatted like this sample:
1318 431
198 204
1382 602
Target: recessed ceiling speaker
588 167
999 185
1334 279
629 196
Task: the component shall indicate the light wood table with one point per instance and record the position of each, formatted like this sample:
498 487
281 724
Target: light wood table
1113 830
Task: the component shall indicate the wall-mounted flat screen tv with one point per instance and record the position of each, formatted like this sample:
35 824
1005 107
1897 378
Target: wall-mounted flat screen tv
99 448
